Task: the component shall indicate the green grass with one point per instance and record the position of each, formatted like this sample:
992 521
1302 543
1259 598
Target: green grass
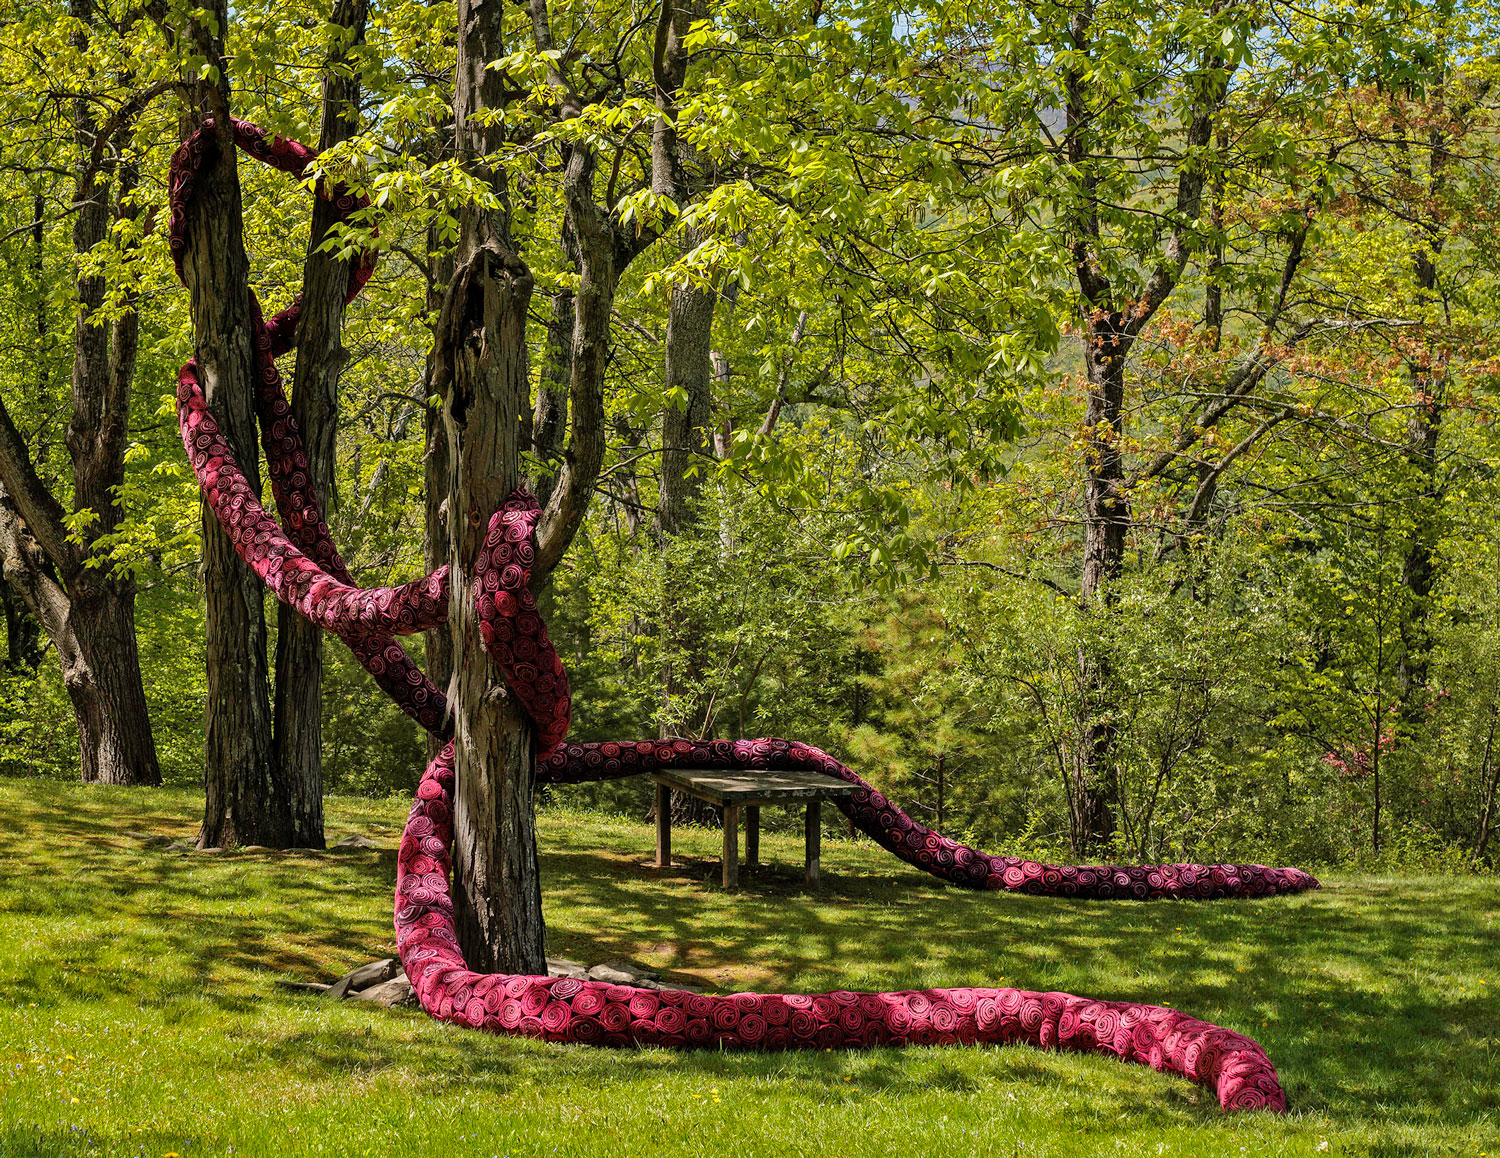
139 1010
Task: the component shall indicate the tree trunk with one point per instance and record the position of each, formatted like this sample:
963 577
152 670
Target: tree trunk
243 804
549 419
115 744
23 639
435 544
297 738
1418 570
687 373
104 677
1112 317
482 335
92 627
1106 521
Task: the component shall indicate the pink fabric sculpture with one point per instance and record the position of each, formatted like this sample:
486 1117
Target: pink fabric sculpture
299 562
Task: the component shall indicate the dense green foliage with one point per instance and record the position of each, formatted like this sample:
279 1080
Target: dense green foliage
140 1010
914 221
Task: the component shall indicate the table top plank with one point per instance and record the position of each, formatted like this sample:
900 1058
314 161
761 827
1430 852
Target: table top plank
719 786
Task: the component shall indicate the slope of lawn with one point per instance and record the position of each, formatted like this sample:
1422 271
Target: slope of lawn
140 1012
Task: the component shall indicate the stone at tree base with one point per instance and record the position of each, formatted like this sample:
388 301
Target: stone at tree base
366 976
651 983
179 846
621 973
396 991
384 983
355 841
624 973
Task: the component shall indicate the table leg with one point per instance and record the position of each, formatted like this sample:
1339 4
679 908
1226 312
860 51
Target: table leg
731 846
752 835
814 837
663 826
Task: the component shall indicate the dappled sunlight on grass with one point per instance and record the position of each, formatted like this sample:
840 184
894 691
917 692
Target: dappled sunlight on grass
142 982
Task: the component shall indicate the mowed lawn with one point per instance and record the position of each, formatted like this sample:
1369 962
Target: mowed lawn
140 1012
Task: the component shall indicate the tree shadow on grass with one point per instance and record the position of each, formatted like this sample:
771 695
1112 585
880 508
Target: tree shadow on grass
436 1061
22 1140
1335 984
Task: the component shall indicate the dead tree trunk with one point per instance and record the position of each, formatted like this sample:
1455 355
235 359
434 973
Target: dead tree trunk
485 386
243 804
297 740
482 343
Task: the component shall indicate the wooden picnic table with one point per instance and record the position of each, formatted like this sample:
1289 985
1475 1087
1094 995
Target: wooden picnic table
750 790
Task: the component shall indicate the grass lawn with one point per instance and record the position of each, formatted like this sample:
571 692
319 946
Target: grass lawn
139 1010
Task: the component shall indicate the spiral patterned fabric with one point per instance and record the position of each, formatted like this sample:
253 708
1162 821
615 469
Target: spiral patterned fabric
299 562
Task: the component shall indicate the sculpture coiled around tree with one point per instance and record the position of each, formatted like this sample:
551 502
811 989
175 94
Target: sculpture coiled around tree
298 561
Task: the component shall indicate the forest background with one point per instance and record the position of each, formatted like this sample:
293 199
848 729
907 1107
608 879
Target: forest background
1079 417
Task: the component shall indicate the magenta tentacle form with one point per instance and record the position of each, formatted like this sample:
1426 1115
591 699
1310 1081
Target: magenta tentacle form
301 565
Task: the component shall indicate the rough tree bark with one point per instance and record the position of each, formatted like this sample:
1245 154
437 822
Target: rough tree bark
297 738
87 610
482 344
243 802
687 377
482 367
1106 515
438 642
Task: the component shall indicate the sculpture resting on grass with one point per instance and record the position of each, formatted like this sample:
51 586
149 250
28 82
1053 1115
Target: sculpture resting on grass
302 567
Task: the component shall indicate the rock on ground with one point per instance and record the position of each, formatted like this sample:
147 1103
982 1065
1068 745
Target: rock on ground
396 991
366 976
384 983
